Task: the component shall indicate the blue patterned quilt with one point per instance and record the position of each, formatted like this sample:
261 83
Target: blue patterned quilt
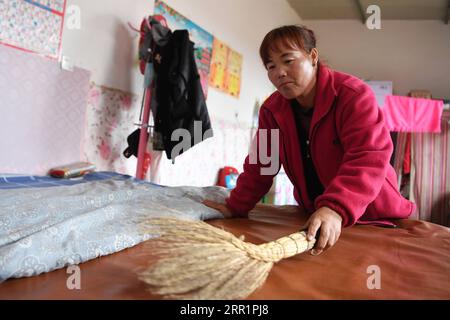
48 223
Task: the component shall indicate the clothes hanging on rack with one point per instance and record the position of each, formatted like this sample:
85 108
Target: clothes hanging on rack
153 32
179 98
178 104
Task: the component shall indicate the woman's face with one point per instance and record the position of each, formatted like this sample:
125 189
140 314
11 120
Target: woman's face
291 71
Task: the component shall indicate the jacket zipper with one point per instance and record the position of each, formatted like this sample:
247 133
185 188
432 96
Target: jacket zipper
294 183
313 131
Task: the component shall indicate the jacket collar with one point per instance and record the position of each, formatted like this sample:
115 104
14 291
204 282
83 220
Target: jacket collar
325 93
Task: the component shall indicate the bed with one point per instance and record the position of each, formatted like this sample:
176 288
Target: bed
411 261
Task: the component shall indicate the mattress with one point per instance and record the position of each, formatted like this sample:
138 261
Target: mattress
411 261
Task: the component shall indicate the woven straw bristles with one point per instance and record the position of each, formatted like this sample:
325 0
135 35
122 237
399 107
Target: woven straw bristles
199 261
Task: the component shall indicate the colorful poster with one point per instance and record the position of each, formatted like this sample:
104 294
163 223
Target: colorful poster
226 65
203 40
233 73
33 26
219 62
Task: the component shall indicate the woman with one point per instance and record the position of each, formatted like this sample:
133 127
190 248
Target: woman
334 145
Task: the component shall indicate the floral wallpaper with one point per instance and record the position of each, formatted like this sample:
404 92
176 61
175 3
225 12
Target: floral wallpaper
110 118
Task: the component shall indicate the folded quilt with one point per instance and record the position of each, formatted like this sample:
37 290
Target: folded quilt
47 228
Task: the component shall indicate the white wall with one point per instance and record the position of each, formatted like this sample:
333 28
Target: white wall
107 47
104 44
413 54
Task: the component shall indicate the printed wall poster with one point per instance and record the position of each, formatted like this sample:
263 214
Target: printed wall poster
219 62
32 25
226 65
233 73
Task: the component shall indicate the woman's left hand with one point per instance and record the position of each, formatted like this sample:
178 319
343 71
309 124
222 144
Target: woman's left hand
329 222
218 206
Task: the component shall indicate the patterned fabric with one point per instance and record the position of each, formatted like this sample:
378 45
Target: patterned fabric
430 160
46 228
399 155
23 181
111 115
430 172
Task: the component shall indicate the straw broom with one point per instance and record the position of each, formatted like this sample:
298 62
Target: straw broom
199 261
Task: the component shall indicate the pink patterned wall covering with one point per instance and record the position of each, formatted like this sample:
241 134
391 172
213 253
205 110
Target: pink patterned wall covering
42 113
111 115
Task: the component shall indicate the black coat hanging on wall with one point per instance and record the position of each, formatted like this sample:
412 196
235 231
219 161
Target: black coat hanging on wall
180 102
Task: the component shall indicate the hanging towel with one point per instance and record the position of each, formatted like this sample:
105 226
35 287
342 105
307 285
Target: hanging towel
407 114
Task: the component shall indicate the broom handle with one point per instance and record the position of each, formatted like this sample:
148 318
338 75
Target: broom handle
285 247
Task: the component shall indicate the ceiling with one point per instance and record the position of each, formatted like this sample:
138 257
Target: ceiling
356 9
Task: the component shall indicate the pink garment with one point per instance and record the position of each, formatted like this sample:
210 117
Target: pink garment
407 114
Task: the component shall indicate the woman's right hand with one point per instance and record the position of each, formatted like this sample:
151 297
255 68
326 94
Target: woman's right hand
218 206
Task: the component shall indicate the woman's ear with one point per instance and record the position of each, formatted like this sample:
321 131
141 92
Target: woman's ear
314 54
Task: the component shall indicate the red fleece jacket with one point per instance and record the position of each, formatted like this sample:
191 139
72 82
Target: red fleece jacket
350 148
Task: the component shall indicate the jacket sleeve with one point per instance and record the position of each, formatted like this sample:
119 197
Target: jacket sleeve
257 178
367 150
